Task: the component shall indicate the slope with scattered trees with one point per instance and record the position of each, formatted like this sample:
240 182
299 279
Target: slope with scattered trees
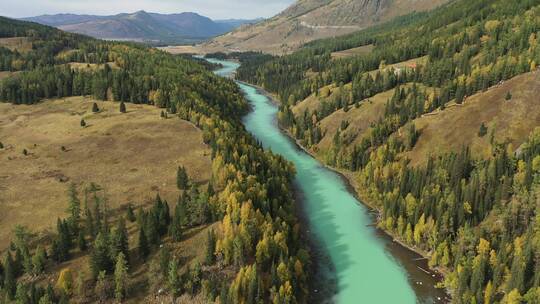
471 210
258 254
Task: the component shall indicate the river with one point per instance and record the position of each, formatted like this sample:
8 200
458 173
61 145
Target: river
358 262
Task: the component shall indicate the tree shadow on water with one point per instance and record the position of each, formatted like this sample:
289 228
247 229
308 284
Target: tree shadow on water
330 253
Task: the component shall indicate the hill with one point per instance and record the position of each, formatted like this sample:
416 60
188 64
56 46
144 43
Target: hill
141 26
433 118
166 195
102 153
308 20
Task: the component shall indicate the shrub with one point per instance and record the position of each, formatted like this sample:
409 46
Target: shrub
483 130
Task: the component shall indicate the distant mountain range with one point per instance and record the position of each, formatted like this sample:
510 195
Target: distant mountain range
143 26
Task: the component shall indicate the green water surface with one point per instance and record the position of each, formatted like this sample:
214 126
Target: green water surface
365 272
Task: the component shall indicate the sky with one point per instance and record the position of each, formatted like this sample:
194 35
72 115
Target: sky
215 9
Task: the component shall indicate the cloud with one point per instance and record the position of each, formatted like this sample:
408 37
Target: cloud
216 9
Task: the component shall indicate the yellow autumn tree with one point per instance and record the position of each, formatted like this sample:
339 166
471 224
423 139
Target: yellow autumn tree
513 297
419 229
65 281
488 293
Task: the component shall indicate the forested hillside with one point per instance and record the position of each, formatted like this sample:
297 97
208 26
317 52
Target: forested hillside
470 202
254 251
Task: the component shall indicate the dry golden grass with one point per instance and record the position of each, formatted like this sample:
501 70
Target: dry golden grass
458 126
360 119
5 74
183 49
90 66
362 50
20 44
312 102
133 156
401 65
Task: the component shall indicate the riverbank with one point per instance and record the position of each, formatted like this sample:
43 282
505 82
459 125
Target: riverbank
420 258
365 262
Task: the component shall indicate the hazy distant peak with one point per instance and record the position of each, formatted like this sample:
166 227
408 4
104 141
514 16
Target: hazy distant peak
141 26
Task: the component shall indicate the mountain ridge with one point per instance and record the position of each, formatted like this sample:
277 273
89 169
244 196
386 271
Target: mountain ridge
185 27
308 20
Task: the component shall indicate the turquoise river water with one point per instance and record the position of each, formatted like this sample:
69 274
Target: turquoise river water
362 264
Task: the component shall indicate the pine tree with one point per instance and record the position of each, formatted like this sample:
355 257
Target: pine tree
81 241
173 108
144 249
151 227
182 179
119 240
181 210
130 214
508 96
57 252
10 282
122 107
164 260
121 277
176 225
100 258
21 295
49 291
27 265
64 238
74 209
210 248
210 190
95 108
173 278
35 293
39 259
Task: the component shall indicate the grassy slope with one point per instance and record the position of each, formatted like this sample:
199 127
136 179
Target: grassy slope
450 129
361 50
458 126
20 44
360 119
134 155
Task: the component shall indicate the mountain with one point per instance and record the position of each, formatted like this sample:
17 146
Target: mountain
142 26
308 20
234 23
